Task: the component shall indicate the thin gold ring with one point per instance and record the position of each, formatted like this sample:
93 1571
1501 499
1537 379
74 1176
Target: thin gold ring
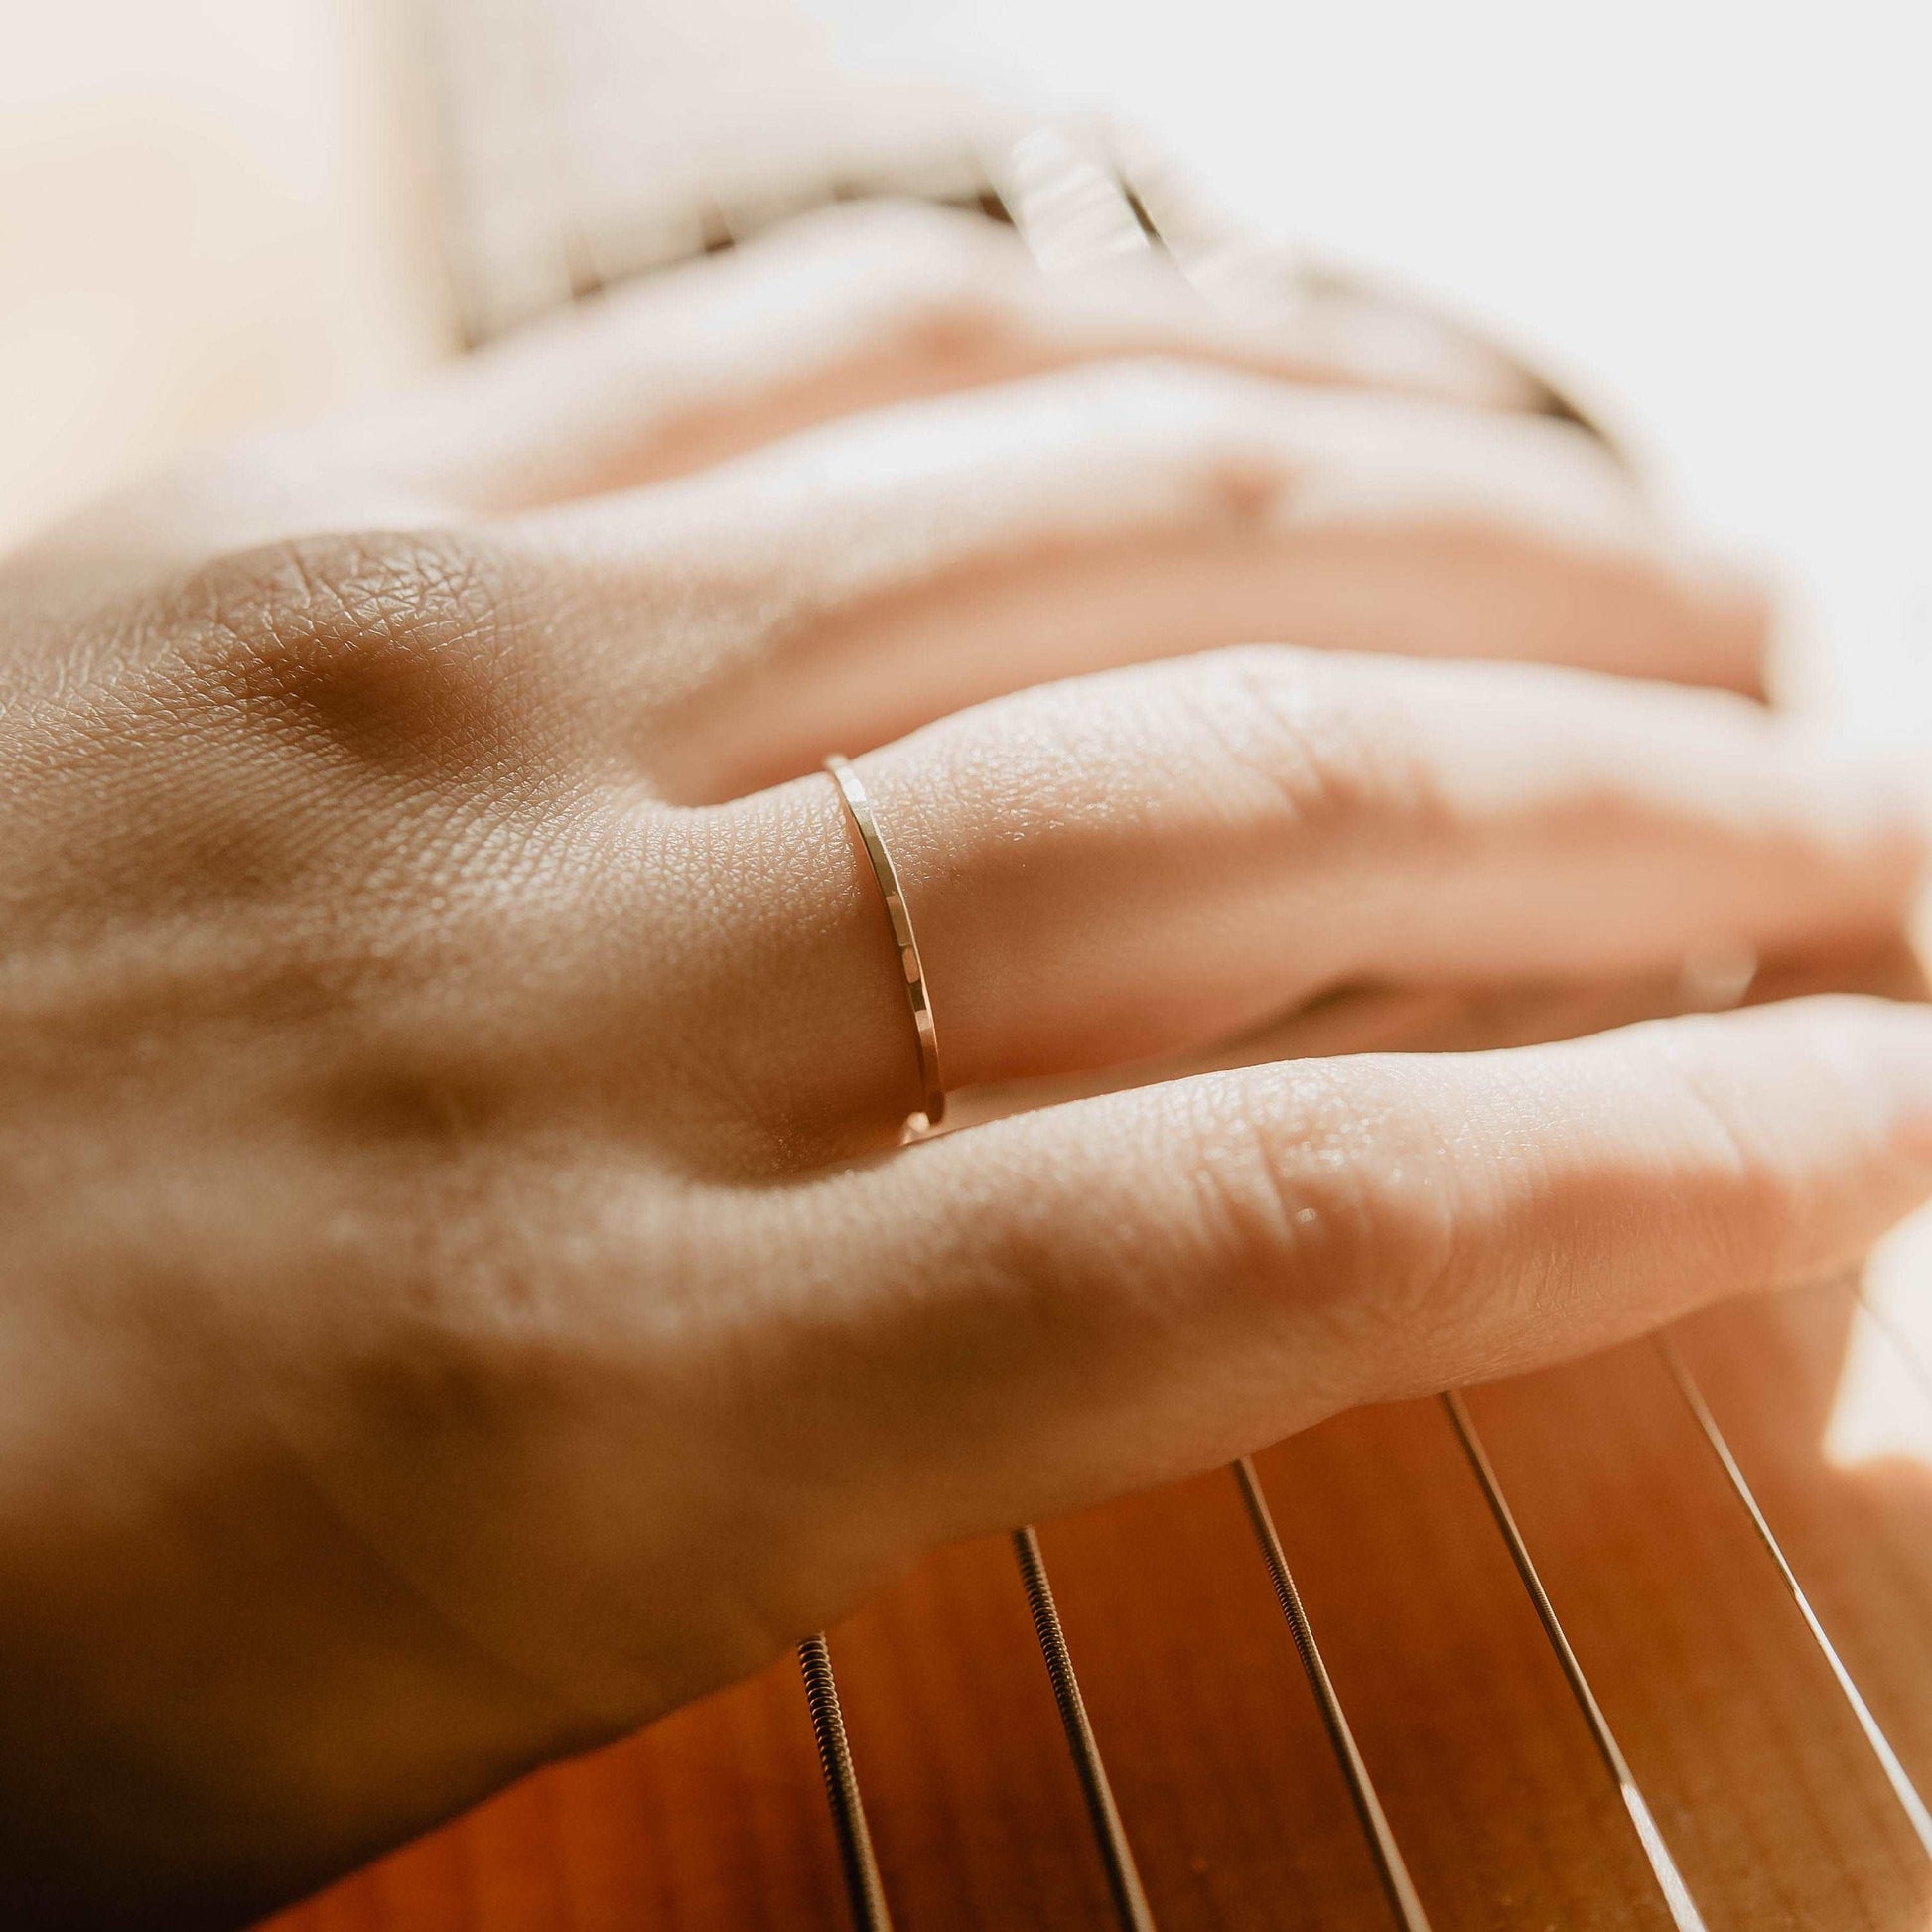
859 804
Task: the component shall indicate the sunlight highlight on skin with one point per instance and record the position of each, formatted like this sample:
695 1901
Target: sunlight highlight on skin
1882 1411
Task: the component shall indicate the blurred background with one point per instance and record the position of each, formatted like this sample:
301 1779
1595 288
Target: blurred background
1710 216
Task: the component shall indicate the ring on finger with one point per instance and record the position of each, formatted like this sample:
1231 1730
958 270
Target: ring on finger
858 805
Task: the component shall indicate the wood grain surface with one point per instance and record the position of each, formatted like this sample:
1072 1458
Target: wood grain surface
1766 1791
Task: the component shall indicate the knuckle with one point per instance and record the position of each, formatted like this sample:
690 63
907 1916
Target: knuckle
392 642
940 285
1753 1196
1325 751
1338 1193
1236 476
958 301
1216 437
1241 486
956 330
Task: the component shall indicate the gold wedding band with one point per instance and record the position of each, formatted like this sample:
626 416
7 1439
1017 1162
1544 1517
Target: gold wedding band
859 804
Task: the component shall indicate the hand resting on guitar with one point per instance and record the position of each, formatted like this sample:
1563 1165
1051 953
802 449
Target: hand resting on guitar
462 1293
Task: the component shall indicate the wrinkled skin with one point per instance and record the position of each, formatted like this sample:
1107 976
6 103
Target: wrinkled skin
461 1295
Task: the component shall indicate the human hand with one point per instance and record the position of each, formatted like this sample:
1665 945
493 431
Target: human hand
460 1295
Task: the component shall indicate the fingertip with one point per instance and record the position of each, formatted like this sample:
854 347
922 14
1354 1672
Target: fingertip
1882 1049
1831 1094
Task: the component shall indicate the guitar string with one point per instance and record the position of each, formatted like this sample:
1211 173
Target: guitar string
1115 1855
1897 1775
1404 1902
1677 1897
864 1893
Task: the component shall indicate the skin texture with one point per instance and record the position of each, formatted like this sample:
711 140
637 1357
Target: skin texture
461 1295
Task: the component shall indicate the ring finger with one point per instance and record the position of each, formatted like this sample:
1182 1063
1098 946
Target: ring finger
1146 861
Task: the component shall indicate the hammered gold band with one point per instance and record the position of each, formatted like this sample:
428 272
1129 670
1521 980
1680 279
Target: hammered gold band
858 805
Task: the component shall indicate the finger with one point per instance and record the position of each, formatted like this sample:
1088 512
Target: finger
848 309
1151 860
1049 1310
874 575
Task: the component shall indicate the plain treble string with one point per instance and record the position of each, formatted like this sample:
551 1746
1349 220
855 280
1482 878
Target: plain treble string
1677 1895
1897 1775
1404 1901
